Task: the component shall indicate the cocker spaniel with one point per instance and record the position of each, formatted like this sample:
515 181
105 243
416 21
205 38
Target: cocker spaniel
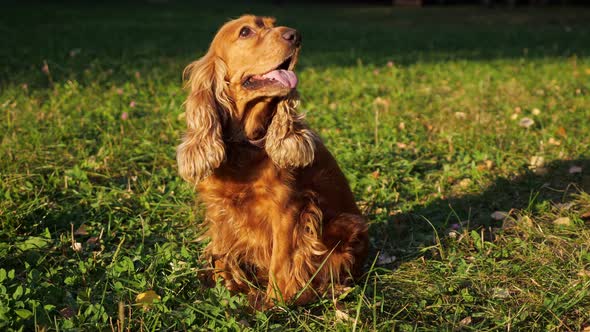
279 212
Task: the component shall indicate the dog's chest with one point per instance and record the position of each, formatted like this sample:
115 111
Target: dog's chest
237 200
241 215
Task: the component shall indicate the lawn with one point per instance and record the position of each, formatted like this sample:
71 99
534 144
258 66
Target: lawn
463 133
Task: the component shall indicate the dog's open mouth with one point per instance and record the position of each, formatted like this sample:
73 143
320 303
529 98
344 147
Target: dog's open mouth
282 76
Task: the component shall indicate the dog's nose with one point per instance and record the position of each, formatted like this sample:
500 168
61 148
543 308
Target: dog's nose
292 36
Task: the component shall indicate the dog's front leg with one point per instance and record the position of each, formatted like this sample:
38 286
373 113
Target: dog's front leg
281 287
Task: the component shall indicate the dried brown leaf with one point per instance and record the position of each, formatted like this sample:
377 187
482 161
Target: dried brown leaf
526 122
67 312
81 230
553 141
465 183
562 221
465 321
146 298
77 246
561 132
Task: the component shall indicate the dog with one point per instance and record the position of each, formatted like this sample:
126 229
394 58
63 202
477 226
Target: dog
280 214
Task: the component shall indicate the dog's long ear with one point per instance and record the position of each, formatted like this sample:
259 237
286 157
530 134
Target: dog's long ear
289 143
207 106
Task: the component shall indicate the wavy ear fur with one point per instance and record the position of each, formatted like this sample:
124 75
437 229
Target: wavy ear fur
289 143
207 106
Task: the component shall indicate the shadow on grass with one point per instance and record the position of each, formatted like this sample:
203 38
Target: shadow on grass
404 235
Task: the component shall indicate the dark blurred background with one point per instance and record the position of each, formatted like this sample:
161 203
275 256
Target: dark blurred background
490 3
453 2
78 37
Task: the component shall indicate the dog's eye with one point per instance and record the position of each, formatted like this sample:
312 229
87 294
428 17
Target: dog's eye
246 32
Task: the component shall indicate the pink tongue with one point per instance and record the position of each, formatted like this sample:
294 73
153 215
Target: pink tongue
285 77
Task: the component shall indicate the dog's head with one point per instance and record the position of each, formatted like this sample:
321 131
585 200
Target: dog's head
243 89
259 57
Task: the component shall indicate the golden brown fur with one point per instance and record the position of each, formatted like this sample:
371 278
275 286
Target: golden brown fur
280 213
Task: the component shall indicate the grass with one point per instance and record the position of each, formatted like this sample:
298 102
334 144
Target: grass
423 108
